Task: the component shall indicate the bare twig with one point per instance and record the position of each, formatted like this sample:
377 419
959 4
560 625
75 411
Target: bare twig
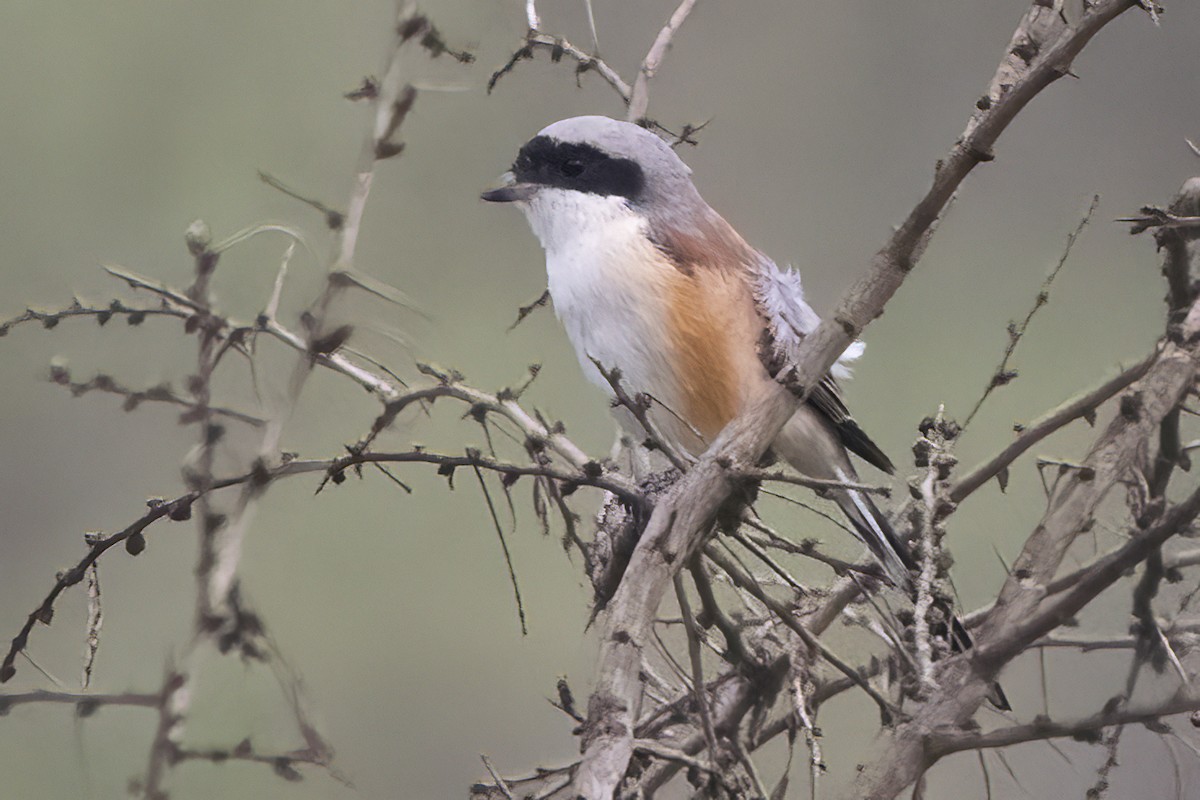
1042 729
85 702
819 484
134 315
1154 217
639 407
1083 406
512 573
333 218
808 549
335 469
693 642
771 563
740 578
500 784
95 620
683 519
639 97
559 47
1003 375
133 536
163 393
524 311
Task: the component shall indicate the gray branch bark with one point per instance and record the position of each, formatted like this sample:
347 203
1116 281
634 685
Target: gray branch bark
685 516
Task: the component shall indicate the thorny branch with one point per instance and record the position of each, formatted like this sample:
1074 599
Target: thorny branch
636 97
684 517
162 393
222 618
259 478
1025 610
1083 406
771 642
1183 701
220 613
559 47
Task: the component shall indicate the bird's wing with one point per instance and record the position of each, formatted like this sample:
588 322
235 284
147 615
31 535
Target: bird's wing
780 300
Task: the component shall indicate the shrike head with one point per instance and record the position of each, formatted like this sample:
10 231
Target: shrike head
590 165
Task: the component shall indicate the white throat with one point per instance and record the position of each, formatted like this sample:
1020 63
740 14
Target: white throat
608 282
567 221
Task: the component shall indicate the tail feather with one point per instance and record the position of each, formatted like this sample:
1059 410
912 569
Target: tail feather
898 562
877 534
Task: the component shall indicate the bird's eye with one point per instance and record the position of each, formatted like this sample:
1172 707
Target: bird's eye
572 168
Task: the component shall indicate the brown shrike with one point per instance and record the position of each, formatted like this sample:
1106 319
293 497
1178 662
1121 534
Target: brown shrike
646 277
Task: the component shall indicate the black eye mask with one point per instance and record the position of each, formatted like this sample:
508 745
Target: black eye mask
581 167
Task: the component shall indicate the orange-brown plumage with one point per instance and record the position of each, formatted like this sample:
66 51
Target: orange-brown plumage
713 326
706 366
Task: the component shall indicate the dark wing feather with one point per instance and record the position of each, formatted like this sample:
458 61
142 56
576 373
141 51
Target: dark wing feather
827 398
780 301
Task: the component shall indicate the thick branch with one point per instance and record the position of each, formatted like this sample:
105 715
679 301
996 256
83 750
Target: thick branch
1026 71
678 526
684 518
1080 491
891 265
1087 584
1020 614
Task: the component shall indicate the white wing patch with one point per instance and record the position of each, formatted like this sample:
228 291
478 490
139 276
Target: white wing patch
781 300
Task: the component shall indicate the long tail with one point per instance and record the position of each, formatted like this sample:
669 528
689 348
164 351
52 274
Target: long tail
899 563
877 533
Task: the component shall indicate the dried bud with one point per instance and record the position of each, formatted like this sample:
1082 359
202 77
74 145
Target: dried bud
59 372
180 511
198 237
285 770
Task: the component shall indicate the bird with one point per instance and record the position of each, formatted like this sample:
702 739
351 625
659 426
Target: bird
648 279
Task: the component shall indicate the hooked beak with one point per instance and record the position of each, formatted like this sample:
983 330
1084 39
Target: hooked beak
509 191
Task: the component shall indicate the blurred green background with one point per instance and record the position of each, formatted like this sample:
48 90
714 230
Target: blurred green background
124 121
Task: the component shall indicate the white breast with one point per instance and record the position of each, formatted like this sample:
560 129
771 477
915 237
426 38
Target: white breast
608 284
